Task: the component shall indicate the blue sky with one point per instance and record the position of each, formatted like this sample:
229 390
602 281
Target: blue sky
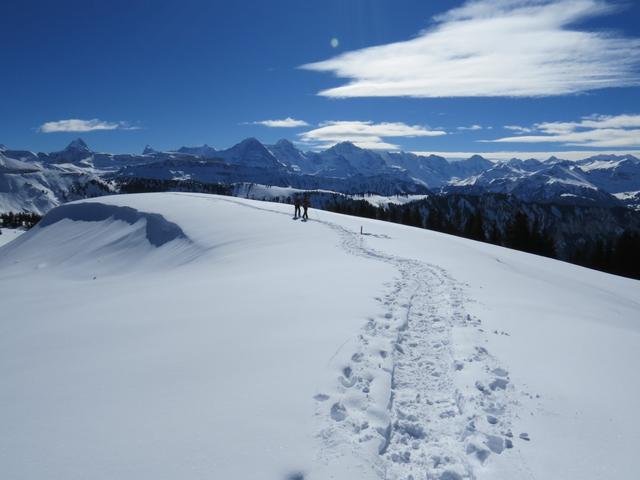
445 76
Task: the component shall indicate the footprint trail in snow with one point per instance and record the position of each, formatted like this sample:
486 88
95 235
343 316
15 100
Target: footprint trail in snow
421 398
413 403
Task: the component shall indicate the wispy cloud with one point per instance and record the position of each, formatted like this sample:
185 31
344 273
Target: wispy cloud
518 129
471 128
494 48
610 131
544 155
77 125
284 123
365 134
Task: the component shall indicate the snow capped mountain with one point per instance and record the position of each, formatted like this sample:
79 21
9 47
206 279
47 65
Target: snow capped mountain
346 159
22 155
287 154
431 171
561 182
9 165
204 151
149 150
614 174
250 153
469 167
75 152
78 145
39 189
274 349
604 179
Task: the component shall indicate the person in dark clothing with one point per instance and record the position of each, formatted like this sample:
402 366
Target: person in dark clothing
305 205
296 204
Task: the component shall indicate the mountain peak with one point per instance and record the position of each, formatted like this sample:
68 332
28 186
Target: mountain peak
345 147
148 150
249 146
78 145
3 147
251 142
283 142
477 161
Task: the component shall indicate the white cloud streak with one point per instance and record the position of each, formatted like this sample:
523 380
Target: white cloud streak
364 134
518 129
78 125
607 131
508 155
284 123
471 128
494 48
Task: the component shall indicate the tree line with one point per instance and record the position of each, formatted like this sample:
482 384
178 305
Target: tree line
146 185
522 230
19 220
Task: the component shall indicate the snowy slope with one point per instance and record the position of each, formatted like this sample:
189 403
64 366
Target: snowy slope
9 234
187 336
41 189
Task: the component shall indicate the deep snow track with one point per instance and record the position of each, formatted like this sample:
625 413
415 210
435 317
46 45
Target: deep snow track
404 403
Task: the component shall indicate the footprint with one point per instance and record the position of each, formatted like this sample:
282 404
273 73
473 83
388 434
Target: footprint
498 383
338 412
495 443
348 382
450 475
500 372
321 397
480 453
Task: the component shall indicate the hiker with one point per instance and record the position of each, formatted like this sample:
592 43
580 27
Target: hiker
296 204
305 205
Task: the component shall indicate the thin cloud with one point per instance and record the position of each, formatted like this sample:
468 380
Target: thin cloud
365 134
284 123
78 125
494 48
607 131
471 128
517 128
544 155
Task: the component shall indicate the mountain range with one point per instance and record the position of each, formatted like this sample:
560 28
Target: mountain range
36 182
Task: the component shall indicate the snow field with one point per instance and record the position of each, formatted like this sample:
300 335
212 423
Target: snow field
196 336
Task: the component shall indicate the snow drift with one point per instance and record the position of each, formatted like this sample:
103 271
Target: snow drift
183 336
101 237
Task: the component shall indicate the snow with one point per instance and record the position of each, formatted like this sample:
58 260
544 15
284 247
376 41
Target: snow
9 234
384 201
600 165
186 336
256 191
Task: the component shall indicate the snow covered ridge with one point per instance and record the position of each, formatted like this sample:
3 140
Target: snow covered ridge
110 237
158 230
287 350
